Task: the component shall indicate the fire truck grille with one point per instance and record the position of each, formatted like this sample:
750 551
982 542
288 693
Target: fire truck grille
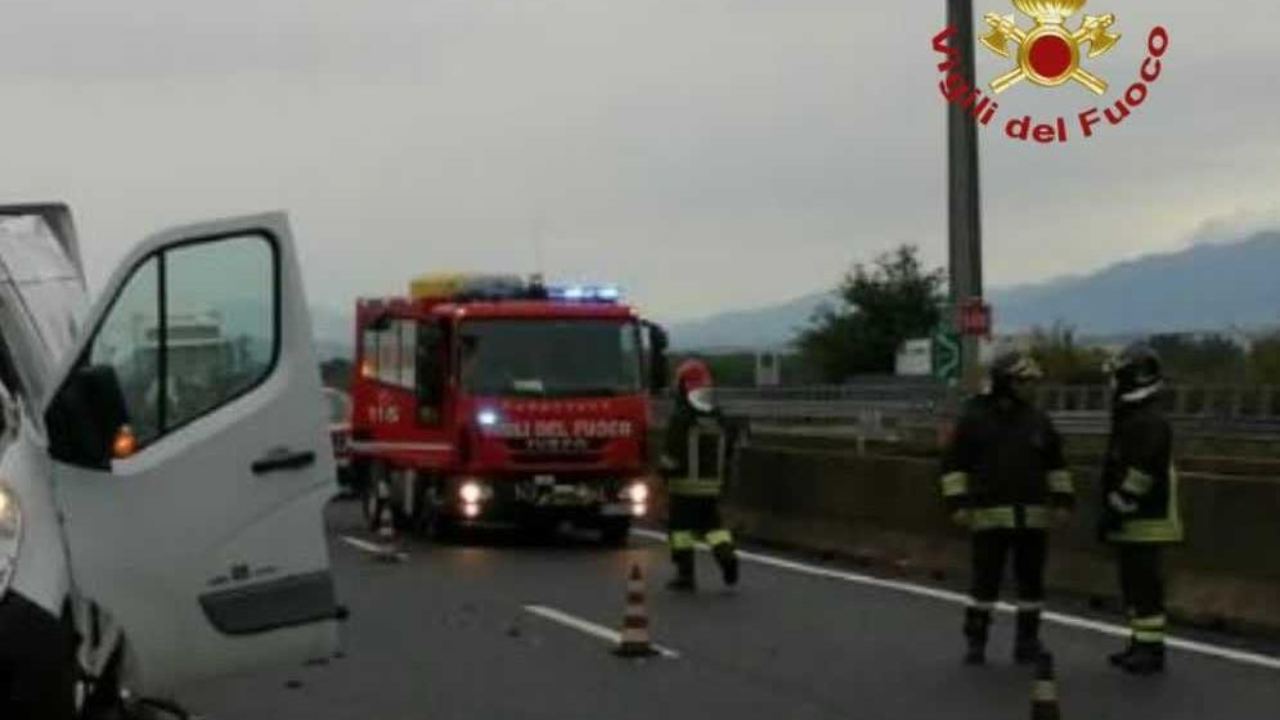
545 458
563 451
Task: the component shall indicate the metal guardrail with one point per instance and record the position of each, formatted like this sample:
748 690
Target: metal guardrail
884 412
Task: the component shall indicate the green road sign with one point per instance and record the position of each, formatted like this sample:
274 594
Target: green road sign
946 355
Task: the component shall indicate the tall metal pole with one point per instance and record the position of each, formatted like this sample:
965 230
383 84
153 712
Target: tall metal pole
965 214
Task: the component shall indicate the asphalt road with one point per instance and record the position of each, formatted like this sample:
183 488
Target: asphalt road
446 634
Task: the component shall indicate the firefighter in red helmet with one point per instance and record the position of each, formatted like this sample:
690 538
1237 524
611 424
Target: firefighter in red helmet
699 447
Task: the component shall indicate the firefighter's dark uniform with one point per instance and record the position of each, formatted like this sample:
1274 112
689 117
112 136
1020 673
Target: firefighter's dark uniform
696 459
1140 516
1003 476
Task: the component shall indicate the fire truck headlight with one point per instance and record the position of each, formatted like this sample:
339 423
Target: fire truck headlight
638 493
10 535
487 418
471 492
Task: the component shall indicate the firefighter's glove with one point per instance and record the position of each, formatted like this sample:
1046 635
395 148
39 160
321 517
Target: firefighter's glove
1121 505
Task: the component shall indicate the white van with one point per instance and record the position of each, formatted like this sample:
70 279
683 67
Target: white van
160 519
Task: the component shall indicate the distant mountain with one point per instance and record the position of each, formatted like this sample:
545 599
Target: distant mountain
1206 287
767 327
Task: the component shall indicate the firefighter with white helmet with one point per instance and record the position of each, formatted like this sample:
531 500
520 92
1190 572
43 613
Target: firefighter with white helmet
697 453
1140 514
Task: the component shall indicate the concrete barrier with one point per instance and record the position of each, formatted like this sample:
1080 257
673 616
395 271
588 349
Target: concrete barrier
885 510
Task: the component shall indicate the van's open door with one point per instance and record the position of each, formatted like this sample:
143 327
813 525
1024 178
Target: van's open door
191 460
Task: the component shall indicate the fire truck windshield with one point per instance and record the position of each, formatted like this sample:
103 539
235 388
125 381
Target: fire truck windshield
550 358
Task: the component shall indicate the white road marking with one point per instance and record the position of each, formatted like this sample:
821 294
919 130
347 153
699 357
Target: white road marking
1073 621
373 548
590 628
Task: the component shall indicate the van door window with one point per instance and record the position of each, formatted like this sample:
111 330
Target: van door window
127 341
194 328
220 323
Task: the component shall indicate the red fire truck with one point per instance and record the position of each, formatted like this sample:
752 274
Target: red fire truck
485 400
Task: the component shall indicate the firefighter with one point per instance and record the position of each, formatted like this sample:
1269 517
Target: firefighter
696 455
1005 480
1140 502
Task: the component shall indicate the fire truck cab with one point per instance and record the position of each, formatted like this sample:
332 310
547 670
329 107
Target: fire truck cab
483 400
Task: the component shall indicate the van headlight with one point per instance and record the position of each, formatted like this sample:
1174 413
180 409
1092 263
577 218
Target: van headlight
10 535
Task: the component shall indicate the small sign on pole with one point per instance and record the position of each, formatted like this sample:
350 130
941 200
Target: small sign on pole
946 355
974 318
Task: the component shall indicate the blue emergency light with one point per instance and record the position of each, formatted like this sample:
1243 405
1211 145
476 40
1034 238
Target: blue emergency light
584 293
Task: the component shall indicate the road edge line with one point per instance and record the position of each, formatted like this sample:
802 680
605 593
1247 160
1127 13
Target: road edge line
1243 657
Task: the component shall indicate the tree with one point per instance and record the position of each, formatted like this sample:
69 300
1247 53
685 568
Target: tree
1207 359
1063 360
1264 360
879 307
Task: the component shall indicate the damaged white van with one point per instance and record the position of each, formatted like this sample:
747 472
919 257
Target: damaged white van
160 491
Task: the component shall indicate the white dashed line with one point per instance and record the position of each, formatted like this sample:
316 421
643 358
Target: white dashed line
590 628
374 548
1243 657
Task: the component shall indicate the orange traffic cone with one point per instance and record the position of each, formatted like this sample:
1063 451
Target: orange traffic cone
635 623
387 531
1044 693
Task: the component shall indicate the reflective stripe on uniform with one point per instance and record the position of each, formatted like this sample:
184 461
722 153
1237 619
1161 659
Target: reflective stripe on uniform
955 484
992 518
1167 529
1037 516
681 540
1154 622
1148 629
1006 517
1137 482
716 538
1162 530
696 487
1060 482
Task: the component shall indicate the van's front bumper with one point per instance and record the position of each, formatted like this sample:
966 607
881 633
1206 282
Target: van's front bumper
37 662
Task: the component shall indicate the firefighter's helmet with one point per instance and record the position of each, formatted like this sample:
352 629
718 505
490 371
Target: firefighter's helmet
1136 373
693 383
1015 366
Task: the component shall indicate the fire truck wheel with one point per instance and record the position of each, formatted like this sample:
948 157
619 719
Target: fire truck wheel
615 533
436 526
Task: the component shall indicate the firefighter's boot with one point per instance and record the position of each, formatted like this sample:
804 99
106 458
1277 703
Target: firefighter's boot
1146 659
1027 647
684 579
1118 659
727 557
977 623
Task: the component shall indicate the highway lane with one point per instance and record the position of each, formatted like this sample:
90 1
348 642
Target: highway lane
446 635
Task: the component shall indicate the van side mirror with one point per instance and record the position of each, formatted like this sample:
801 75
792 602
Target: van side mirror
86 416
658 342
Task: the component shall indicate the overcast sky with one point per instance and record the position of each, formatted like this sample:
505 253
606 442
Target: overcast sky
707 154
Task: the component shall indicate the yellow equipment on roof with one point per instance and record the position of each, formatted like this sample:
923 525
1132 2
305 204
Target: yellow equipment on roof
447 285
